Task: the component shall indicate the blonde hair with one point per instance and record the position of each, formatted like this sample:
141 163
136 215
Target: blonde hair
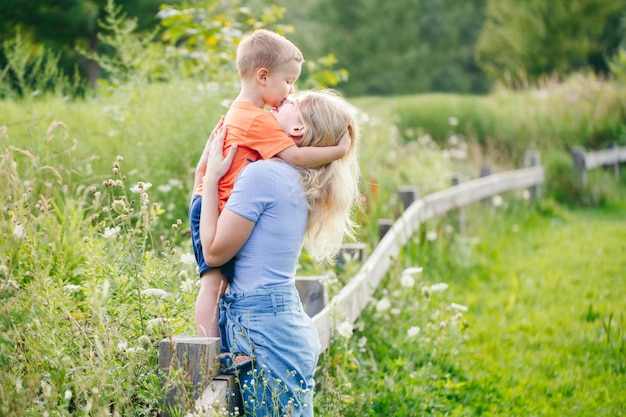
265 49
332 189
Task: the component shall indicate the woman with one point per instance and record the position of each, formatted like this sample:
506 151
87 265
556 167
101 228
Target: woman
273 211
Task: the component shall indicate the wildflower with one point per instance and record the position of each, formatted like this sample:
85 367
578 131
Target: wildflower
187 258
133 350
187 285
141 187
407 280
345 329
383 305
119 206
46 389
453 121
154 292
362 343
497 200
122 346
71 288
156 323
413 331
111 232
526 195
440 287
431 236
19 231
442 325
395 311
68 395
414 270
458 307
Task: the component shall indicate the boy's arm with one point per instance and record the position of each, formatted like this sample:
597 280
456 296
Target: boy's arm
314 156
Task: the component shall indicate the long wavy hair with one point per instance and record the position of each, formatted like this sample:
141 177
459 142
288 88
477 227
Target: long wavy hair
332 190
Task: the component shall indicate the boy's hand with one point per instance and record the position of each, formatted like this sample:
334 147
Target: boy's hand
344 143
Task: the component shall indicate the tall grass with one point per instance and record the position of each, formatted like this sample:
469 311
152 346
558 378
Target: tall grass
96 265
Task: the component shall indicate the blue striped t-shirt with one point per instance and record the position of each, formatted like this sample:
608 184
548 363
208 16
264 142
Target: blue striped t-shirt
269 193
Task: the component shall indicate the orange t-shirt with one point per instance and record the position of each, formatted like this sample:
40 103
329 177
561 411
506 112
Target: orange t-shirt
257 135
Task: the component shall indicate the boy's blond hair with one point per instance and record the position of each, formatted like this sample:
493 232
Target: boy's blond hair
265 49
332 190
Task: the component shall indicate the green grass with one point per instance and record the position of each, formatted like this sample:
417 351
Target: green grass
80 321
545 331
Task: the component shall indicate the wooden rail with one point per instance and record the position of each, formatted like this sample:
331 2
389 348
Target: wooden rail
584 161
348 304
352 299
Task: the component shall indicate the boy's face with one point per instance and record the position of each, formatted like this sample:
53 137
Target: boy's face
280 83
288 117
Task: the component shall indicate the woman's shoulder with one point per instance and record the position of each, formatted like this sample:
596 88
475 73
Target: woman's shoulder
269 167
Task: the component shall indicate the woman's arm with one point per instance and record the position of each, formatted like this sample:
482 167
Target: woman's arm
222 235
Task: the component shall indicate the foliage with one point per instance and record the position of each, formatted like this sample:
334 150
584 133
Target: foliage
522 43
399 47
88 291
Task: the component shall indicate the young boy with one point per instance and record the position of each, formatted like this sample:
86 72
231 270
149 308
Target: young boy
268 66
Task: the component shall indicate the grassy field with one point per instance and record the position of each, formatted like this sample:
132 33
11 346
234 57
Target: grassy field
543 334
520 314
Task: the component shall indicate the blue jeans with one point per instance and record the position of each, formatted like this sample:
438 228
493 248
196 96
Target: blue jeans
270 325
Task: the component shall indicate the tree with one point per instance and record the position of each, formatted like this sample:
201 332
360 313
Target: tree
525 41
395 47
65 25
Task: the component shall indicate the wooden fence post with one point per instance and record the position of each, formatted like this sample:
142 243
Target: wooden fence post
615 148
312 293
408 194
580 170
383 227
485 171
456 180
192 360
351 252
532 158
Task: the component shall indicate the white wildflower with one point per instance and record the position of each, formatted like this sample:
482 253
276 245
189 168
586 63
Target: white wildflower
154 292
414 270
71 288
439 287
141 187
413 331
431 236
345 329
497 200
122 346
19 231
407 280
187 285
133 350
458 307
187 258
46 389
526 195
155 323
111 232
383 305
453 121
68 395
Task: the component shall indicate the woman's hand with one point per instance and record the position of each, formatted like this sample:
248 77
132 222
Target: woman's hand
216 164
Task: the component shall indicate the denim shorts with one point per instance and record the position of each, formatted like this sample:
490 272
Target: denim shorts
194 222
271 326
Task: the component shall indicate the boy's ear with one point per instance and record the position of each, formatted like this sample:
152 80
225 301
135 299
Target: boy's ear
261 75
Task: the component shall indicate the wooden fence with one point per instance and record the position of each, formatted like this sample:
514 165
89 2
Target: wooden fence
195 355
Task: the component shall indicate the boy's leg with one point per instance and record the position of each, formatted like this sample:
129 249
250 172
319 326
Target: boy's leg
212 286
